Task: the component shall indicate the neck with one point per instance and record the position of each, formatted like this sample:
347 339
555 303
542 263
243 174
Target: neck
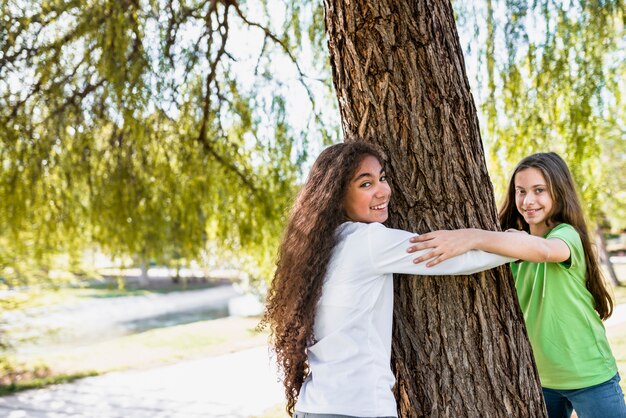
540 230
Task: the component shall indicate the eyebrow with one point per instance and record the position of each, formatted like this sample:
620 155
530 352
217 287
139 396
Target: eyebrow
531 187
360 176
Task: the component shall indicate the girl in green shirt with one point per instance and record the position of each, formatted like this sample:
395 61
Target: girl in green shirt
559 284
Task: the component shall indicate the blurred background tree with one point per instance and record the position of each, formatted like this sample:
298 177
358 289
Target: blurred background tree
147 129
152 129
550 76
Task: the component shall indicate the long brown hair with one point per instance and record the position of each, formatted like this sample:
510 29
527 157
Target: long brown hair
303 258
566 209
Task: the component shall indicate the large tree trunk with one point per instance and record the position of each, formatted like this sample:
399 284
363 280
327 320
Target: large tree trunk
460 347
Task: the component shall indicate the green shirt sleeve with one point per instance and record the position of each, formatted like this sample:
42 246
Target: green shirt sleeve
570 236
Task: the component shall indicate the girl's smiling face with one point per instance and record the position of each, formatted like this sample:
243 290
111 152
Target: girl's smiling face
368 193
533 200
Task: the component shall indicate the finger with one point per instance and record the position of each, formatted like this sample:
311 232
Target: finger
418 247
425 257
434 261
420 238
421 246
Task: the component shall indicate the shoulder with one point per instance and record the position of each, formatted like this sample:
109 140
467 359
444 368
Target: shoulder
354 246
351 228
374 233
352 232
566 232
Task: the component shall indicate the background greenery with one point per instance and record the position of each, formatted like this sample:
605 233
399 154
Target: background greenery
178 130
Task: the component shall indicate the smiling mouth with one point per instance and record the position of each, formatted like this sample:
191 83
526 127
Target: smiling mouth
380 207
531 211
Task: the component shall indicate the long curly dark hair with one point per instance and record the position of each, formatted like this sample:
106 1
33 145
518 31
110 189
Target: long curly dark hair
303 259
566 209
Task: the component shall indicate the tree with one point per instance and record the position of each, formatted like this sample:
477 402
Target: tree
140 127
554 81
130 126
125 124
560 89
460 346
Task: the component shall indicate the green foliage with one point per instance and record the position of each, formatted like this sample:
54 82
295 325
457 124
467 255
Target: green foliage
554 81
163 129
131 126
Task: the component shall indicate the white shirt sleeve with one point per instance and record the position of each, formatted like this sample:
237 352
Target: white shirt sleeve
388 252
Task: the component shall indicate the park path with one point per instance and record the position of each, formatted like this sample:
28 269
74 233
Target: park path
237 385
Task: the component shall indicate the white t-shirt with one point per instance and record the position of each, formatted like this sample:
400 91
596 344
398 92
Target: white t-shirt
350 372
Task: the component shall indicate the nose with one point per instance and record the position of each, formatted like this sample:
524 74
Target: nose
383 190
528 199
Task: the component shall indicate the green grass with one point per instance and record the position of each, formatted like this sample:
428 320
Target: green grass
39 382
148 349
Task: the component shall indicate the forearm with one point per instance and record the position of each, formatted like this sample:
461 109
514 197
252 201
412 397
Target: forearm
386 248
469 263
517 245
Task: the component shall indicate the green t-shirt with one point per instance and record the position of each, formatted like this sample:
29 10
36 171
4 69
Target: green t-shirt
567 336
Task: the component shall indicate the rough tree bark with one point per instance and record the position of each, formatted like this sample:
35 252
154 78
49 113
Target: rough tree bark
460 347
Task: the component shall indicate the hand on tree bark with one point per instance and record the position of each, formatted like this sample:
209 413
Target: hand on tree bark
444 244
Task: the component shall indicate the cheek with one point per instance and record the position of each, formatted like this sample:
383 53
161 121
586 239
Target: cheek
354 202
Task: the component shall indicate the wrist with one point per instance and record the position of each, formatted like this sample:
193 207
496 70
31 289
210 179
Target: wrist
478 238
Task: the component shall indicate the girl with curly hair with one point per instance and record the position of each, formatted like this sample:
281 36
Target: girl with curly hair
329 307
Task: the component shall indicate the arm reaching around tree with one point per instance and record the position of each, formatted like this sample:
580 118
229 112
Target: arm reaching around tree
445 244
385 248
